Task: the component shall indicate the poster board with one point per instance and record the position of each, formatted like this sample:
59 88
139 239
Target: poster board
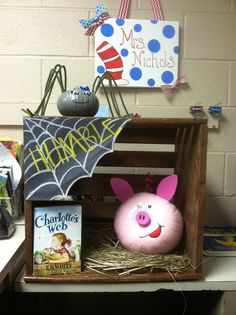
58 151
138 53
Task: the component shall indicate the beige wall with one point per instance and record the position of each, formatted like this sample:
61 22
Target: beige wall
37 34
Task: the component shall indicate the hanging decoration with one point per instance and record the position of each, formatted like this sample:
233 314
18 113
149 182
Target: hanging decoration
81 101
137 53
92 24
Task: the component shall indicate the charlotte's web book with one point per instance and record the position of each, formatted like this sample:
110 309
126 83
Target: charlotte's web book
57 239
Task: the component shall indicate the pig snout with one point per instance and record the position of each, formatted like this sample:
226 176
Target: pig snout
143 218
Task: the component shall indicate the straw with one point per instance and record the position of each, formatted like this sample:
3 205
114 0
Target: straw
104 254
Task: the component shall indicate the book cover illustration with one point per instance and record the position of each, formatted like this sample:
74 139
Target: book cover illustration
219 240
57 240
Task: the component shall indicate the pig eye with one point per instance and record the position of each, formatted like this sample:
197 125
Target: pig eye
149 206
139 206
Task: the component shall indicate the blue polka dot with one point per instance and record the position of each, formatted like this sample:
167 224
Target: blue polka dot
154 45
168 31
107 30
154 21
176 50
151 82
100 69
120 22
137 28
124 52
136 73
167 77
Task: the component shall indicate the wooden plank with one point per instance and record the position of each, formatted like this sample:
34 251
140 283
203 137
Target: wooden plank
197 181
165 122
29 237
86 276
155 130
192 199
147 135
150 122
183 142
99 184
139 159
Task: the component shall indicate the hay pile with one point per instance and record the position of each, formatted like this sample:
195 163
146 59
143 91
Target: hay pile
103 253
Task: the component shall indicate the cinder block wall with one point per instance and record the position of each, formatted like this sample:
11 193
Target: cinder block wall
37 34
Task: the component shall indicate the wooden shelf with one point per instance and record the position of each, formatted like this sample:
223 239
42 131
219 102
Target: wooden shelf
188 138
218 274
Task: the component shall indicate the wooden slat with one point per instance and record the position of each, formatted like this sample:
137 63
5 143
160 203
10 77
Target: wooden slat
165 122
29 237
197 198
147 135
99 184
139 159
150 130
84 277
148 122
190 195
183 142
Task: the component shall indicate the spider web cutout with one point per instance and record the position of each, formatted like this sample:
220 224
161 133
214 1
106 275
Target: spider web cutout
60 151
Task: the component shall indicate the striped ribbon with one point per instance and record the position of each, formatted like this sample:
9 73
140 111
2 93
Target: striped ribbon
91 30
156 7
124 9
170 88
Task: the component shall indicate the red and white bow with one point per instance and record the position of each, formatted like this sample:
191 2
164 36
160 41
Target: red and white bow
170 88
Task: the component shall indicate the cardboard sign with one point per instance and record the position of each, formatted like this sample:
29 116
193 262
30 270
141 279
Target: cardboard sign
138 53
59 151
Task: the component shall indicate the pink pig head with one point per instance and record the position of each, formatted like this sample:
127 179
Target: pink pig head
145 222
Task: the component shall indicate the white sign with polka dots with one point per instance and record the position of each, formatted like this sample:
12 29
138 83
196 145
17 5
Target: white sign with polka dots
138 53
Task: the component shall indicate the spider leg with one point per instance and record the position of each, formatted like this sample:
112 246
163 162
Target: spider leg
113 87
57 73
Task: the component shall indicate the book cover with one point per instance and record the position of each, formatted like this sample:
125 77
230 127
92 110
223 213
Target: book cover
219 241
57 239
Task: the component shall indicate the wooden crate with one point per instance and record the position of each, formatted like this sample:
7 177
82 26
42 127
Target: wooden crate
177 145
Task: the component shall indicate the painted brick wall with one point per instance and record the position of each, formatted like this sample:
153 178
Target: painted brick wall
37 34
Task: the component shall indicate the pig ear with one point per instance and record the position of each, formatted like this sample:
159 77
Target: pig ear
121 188
167 187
